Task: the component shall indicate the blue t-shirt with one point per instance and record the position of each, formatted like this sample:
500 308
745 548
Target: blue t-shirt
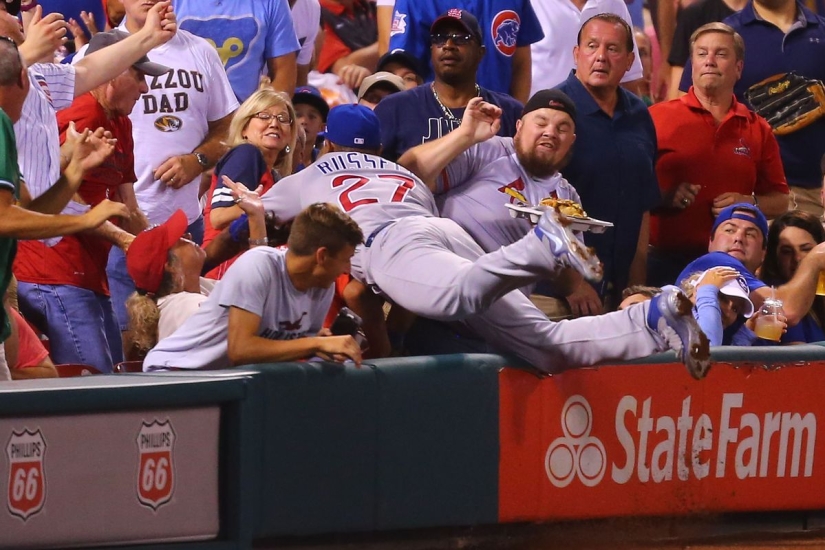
246 34
413 117
612 168
769 51
505 25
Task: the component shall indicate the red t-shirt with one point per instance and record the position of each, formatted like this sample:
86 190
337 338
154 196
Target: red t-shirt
739 155
30 350
80 260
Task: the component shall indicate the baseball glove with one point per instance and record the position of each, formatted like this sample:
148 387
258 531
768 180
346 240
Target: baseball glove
787 101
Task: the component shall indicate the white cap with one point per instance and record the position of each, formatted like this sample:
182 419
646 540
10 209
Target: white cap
392 80
735 288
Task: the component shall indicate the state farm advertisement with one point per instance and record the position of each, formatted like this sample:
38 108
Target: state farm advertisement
649 440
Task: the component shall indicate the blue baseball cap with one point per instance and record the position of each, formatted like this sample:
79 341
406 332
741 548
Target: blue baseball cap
743 211
354 126
310 95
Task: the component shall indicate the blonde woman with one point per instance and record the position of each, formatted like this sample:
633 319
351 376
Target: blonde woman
262 138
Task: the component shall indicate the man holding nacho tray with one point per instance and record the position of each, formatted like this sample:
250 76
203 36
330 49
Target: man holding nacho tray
472 183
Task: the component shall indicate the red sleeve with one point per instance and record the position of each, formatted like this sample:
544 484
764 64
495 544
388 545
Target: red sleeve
332 51
31 351
770 174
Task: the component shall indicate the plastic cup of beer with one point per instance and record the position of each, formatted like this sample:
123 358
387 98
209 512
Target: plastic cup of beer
768 324
820 284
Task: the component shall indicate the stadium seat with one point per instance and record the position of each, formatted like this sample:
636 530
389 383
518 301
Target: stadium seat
71 370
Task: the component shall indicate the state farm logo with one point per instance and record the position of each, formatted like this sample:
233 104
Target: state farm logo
577 453
27 481
156 471
677 443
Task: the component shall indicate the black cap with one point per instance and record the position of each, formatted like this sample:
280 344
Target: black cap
103 39
463 18
402 58
551 99
310 95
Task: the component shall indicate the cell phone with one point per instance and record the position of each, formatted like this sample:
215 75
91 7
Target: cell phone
346 323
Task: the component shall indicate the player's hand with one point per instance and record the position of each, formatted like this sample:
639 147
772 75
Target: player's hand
340 348
103 211
179 170
161 23
584 301
248 201
481 120
718 276
682 196
726 199
44 35
352 75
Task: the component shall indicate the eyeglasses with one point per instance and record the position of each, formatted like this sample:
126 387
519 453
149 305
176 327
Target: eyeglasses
280 117
439 39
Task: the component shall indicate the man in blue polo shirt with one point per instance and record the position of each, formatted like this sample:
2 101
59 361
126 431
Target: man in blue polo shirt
738 240
784 35
612 166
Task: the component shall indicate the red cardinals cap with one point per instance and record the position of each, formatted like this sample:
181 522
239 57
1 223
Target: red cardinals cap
463 18
550 99
146 257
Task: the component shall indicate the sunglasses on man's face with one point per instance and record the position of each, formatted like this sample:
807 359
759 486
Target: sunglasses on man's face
439 39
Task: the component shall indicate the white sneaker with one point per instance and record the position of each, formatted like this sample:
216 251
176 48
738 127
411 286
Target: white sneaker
554 230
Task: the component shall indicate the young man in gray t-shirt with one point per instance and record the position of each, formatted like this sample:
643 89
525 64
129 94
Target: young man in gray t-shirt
271 303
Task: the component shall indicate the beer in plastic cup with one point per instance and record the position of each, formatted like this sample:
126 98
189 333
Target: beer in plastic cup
820 284
768 325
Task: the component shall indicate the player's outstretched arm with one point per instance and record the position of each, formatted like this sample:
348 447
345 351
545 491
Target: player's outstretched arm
246 347
481 121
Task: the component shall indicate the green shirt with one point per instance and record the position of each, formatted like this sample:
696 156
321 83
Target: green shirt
9 181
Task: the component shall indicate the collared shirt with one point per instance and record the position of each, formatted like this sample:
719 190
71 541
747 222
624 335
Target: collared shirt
772 52
738 155
612 168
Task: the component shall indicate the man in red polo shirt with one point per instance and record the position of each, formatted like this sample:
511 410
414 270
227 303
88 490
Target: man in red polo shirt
712 152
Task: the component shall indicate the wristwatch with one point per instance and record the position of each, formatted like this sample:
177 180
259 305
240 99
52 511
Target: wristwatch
202 160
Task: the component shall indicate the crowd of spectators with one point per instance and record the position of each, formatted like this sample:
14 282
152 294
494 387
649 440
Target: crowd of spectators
138 138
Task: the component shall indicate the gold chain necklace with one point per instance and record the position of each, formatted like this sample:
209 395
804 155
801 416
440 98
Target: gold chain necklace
447 112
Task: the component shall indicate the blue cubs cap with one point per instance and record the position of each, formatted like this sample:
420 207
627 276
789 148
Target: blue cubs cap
310 95
743 211
353 126
463 18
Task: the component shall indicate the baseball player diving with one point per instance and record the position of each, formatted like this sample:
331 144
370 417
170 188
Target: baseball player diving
432 267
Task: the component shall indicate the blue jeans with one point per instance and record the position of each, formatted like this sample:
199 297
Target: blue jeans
79 323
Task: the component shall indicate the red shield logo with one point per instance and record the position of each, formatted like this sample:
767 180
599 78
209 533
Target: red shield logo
156 471
27 481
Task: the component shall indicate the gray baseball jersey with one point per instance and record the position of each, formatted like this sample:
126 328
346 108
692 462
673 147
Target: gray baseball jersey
432 267
474 187
257 282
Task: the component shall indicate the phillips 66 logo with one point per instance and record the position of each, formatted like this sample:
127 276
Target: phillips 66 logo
27 481
156 471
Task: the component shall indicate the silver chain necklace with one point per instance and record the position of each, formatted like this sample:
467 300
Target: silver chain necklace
448 114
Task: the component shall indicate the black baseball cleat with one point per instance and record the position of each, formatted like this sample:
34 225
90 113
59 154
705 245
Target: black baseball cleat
681 331
553 230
